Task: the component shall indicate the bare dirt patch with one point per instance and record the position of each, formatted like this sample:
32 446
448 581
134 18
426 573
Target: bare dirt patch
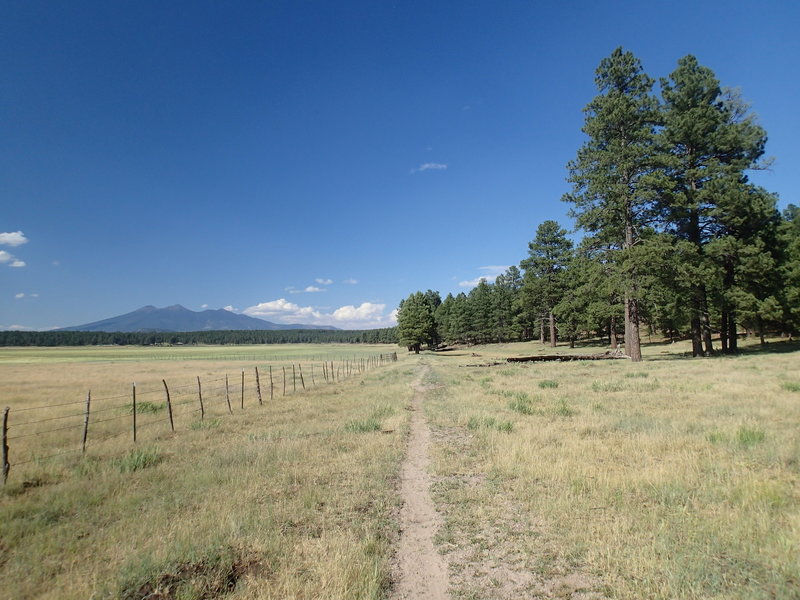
421 570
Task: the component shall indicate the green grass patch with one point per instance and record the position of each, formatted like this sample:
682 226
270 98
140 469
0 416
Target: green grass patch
209 424
522 404
791 386
475 423
148 408
548 383
607 386
363 426
747 436
138 459
637 375
562 409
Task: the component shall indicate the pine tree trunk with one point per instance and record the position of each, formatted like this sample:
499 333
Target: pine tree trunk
633 346
723 332
541 330
552 330
733 338
706 323
612 333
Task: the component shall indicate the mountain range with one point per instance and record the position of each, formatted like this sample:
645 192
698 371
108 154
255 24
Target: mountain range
178 318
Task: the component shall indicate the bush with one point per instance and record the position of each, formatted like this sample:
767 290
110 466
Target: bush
521 404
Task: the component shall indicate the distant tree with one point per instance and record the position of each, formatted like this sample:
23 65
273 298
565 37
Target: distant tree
548 256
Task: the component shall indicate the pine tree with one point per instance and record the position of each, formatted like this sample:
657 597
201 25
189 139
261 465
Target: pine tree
548 256
711 140
415 323
613 175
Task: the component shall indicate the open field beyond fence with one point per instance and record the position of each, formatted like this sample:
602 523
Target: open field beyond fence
671 478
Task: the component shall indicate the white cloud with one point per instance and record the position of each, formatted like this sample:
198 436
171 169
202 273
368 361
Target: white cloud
20 295
12 260
367 315
350 281
491 273
313 288
34 295
204 306
431 166
471 282
18 328
367 311
229 308
14 238
282 310
323 281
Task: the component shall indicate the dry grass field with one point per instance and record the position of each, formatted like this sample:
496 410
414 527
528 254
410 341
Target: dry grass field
672 478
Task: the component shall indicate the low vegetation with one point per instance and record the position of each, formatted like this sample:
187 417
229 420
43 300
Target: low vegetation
672 478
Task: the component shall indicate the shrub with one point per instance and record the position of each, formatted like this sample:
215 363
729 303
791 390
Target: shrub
563 409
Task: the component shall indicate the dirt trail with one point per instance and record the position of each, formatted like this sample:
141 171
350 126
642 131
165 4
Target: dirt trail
422 570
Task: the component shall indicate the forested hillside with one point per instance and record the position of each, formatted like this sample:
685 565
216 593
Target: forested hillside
675 237
290 336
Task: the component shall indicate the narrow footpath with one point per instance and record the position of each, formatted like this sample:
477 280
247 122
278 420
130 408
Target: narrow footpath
422 570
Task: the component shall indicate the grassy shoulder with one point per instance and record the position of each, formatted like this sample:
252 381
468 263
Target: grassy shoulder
295 499
672 478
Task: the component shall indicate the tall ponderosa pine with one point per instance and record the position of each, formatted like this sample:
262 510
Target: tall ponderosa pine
548 256
711 140
613 173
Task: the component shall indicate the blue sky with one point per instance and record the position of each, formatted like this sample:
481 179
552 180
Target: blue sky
318 161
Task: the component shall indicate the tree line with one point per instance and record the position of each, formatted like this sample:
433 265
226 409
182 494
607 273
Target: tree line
287 336
675 237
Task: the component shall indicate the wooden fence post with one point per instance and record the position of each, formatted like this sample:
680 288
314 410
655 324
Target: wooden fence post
312 375
169 405
301 377
6 465
200 396
258 388
294 380
284 380
86 422
134 411
228 394
242 389
270 382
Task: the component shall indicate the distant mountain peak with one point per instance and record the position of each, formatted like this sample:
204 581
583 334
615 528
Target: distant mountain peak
180 318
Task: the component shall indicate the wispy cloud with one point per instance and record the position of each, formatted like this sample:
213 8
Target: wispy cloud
230 308
431 166
13 238
204 306
323 281
311 289
494 270
367 315
18 296
350 281
471 283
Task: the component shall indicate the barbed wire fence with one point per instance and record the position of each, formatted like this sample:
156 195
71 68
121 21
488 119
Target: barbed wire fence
45 431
